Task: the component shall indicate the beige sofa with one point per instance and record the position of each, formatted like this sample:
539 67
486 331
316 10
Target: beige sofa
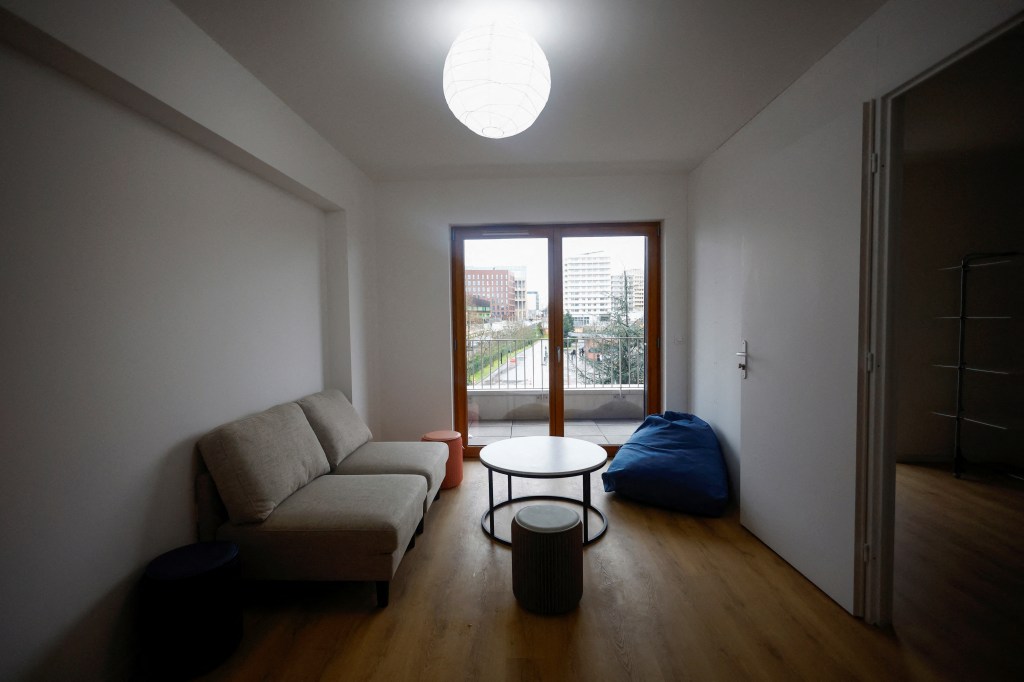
306 495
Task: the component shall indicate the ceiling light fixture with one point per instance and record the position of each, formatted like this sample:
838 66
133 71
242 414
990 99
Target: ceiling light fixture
496 79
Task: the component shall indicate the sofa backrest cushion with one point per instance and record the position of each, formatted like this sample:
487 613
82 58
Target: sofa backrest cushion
259 461
336 423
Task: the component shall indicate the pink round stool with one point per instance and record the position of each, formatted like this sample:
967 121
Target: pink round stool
452 470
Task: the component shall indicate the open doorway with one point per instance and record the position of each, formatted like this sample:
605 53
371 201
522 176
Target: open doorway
953 361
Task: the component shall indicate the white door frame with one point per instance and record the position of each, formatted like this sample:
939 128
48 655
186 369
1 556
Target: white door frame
876 465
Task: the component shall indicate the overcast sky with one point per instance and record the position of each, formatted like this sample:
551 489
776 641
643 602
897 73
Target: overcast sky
626 253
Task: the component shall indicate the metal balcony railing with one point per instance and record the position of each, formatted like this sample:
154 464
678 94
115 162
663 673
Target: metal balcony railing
593 361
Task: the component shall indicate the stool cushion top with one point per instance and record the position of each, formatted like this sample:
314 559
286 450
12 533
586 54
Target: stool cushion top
547 518
442 436
191 560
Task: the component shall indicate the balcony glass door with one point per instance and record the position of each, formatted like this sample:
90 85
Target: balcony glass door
555 331
508 383
603 311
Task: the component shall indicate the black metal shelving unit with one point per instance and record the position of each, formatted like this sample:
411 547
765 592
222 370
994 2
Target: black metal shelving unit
968 263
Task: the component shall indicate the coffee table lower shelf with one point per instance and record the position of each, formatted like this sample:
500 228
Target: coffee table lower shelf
485 520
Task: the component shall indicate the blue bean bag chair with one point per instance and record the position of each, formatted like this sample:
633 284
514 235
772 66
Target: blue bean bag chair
674 461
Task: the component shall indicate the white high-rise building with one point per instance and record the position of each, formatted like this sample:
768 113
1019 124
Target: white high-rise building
629 283
586 288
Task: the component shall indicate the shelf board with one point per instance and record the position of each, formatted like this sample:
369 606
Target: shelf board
975 317
983 423
1004 258
972 420
974 369
987 371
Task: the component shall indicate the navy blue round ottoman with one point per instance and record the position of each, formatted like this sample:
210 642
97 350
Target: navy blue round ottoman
191 609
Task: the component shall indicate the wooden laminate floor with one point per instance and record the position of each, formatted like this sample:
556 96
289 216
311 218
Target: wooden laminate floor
959 571
666 597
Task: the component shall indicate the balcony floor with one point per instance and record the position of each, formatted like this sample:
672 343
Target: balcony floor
600 431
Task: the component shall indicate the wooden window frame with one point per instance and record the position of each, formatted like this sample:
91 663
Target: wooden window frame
554 233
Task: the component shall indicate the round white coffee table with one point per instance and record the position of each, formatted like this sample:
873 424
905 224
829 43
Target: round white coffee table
543 457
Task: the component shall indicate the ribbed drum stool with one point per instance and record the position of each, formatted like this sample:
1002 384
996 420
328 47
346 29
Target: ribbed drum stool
547 558
453 469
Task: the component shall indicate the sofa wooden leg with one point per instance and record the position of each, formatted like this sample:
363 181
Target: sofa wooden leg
419 528
383 591
438 495
412 542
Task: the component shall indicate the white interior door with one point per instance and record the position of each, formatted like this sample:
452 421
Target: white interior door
799 401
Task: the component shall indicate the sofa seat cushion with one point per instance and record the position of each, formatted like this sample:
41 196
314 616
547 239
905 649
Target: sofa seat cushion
424 459
336 423
259 461
362 514
335 528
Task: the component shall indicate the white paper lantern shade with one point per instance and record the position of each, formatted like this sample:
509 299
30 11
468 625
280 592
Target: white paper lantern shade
496 79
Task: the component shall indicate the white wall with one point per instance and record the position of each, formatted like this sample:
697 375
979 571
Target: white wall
361 297
156 48
414 280
781 200
157 280
152 58
151 291
714 280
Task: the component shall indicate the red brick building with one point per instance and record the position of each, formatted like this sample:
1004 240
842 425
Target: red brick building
495 286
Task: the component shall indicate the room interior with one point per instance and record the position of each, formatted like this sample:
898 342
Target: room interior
957 553
199 226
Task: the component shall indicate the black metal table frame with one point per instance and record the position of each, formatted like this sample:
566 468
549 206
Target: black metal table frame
487 520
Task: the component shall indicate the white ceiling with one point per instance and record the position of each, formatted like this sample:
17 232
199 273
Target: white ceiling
637 85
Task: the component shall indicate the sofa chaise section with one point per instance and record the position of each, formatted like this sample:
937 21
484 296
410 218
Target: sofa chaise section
334 528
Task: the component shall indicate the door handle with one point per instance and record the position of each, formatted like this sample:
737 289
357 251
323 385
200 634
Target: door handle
743 360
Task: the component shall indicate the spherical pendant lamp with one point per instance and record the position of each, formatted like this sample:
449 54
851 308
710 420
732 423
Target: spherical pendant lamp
496 79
